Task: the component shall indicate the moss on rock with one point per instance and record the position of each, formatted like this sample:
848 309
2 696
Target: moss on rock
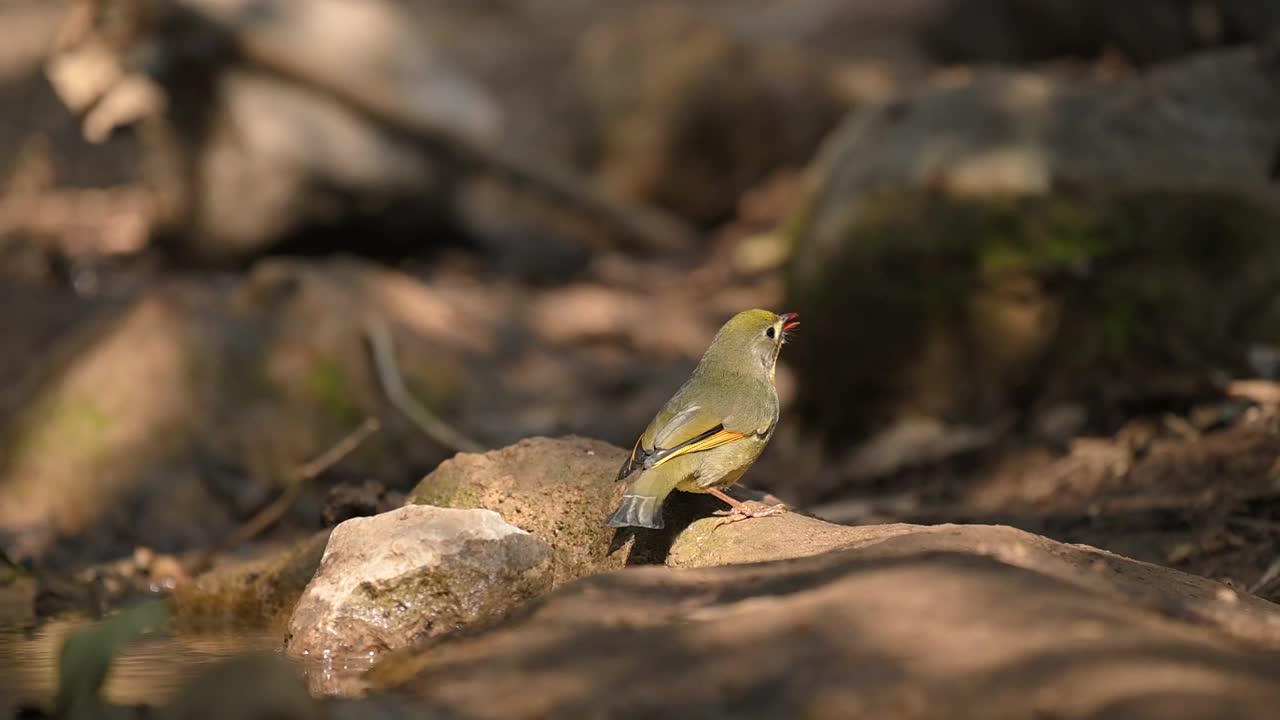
258 593
560 490
971 308
977 252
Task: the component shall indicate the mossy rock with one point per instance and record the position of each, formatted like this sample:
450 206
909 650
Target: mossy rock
979 253
972 309
167 419
256 593
560 490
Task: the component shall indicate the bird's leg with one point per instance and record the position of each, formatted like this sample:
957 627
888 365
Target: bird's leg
737 506
742 511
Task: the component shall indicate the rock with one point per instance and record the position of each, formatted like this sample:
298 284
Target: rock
256 593
903 622
39 319
31 27
1180 595
415 108
1146 31
393 580
223 144
167 573
788 535
82 438
692 126
17 596
671 103
245 381
560 490
986 249
265 125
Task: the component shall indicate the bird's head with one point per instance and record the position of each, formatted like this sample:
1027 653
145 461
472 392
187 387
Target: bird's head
752 339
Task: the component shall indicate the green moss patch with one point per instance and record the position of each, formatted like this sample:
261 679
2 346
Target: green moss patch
1128 286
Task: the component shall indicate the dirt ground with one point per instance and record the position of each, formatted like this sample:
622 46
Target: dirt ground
1162 491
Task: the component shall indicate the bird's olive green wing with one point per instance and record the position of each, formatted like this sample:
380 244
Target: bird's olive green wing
671 435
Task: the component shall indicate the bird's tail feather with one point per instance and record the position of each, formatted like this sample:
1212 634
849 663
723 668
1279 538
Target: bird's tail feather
638 511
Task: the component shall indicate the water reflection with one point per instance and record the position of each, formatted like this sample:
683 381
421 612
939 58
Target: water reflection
146 672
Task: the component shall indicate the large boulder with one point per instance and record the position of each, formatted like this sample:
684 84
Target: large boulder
560 490
903 622
166 419
708 544
396 579
113 404
987 250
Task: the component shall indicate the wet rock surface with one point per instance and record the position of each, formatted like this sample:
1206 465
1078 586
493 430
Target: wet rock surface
394 580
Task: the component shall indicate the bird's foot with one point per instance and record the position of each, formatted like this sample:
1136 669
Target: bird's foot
750 509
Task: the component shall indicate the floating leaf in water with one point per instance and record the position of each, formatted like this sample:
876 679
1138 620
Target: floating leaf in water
87 655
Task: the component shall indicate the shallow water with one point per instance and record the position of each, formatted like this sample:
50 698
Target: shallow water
146 672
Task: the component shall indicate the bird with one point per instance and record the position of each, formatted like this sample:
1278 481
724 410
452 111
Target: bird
714 428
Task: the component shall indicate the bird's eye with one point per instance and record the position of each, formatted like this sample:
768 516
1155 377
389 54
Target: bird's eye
770 332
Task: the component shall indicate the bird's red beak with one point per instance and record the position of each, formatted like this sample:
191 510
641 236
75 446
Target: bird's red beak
790 321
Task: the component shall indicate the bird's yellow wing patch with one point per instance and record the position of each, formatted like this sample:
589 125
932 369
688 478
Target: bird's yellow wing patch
709 442
672 434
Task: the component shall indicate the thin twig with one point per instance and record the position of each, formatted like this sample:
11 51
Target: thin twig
308 471
1273 571
384 360
272 513
335 454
